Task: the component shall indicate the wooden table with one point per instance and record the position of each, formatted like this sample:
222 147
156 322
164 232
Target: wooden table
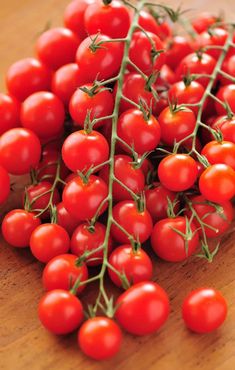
24 344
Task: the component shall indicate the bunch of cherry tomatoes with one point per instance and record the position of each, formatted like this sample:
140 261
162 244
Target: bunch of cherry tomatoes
128 134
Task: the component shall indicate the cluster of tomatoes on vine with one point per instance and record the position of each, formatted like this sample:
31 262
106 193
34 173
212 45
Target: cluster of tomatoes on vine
133 117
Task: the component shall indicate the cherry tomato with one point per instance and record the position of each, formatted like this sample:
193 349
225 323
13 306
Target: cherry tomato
9 113
61 272
176 49
204 310
47 168
228 67
57 47
178 172
225 94
60 311
140 132
82 199
217 183
217 37
88 238
179 248
20 151
146 167
143 308
74 16
166 77
220 152
48 241
227 127
160 27
204 21
65 219
27 76
137 223
100 338
111 19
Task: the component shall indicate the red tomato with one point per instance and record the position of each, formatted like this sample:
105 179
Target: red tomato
83 199
65 219
57 47
140 133
17 227
4 185
103 61
124 171
27 76
74 16
100 338
166 77
217 183
82 150
227 127
204 310
146 167
229 68
135 264
88 238
178 172
161 28
215 38
60 311
179 248
98 104
143 308
136 222
204 21
111 19
20 151
48 241
61 272
225 94
176 49
47 168
220 152
9 113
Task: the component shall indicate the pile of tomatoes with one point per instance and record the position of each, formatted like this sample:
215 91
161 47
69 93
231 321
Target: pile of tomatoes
128 133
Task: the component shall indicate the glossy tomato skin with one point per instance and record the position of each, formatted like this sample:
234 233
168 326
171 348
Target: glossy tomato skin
136 265
124 171
218 37
57 47
48 165
204 21
65 219
220 221
83 199
204 310
100 338
141 134
177 48
74 16
88 238
138 224
27 76
43 113
20 151
220 152
143 308
4 184
82 150
48 241
177 250
112 20
17 227
178 172
162 29
227 127
60 311
61 272
9 113
229 68
217 183
225 94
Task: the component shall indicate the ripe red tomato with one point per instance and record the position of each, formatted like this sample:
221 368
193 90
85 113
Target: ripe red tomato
61 272
48 241
146 61
177 48
225 94
217 183
229 68
111 19
227 127
43 113
27 76
20 151
160 27
100 63
57 47
9 113
74 16
143 308
83 199
65 219
47 168
176 125
4 185
88 238
204 310
124 171
17 227
100 338
83 150
60 311
140 133
146 167
136 222
135 264
179 248
217 37
178 172
220 152
99 104
204 21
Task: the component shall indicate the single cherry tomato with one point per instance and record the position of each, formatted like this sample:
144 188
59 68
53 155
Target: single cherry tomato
227 127
60 311
143 308
74 16
204 310
216 37
227 95
9 113
177 48
203 21
228 67
146 167
100 338
179 248
20 151
220 152
166 77
4 184
65 219
158 26
48 166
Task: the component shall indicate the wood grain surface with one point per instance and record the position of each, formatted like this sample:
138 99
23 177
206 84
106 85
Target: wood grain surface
24 344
